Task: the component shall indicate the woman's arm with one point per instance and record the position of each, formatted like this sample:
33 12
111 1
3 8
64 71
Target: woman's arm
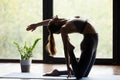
32 27
65 40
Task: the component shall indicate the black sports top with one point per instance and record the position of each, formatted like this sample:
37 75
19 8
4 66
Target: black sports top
80 24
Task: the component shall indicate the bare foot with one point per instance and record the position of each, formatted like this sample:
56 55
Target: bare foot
53 73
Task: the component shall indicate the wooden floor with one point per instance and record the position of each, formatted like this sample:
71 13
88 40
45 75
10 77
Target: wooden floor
44 68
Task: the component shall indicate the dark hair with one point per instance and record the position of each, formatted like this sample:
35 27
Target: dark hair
52 28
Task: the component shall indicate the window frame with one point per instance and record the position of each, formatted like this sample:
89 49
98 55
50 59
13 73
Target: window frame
48 13
116 56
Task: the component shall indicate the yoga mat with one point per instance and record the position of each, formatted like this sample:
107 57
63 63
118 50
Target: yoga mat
63 77
33 76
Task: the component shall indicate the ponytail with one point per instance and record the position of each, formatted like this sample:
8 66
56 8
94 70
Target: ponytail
51 45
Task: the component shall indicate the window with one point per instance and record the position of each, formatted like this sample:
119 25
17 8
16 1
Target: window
108 45
15 16
100 15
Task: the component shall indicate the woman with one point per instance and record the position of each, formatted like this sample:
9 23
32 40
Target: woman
57 25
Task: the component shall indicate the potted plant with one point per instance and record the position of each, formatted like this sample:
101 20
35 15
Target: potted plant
26 53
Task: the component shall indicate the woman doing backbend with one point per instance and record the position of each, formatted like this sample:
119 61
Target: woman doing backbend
82 67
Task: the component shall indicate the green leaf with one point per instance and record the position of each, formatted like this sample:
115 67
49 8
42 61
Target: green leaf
25 51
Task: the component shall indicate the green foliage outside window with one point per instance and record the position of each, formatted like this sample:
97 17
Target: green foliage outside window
15 15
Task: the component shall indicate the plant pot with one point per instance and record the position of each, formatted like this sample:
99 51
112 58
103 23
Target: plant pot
25 65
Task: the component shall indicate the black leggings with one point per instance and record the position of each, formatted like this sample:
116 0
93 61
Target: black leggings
82 67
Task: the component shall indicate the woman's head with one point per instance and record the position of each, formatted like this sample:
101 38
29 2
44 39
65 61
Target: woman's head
54 26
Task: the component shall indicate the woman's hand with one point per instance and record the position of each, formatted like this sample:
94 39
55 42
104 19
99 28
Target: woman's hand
77 16
69 72
31 27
